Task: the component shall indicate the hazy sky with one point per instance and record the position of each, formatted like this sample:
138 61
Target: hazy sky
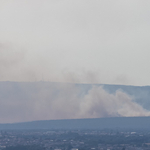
90 41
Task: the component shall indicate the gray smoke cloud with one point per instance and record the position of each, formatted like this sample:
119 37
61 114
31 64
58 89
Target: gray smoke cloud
108 37
11 59
66 101
80 41
15 65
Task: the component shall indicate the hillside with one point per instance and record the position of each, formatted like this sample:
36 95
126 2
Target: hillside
29 101
98 123
25 90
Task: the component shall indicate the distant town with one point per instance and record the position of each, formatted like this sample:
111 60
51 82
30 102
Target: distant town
106 139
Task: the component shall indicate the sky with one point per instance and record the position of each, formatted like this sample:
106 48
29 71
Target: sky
81 41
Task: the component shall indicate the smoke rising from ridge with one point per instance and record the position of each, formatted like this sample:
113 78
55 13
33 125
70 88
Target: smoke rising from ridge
11 59
64 101
16 65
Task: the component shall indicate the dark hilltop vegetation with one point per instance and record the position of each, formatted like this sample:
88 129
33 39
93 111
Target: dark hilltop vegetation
97 123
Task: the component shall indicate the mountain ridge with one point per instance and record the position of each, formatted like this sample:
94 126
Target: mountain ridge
93 123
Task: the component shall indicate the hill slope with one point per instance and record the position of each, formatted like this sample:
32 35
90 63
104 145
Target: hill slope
98 123
28 101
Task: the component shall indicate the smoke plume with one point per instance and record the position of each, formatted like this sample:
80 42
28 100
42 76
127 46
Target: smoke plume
64 101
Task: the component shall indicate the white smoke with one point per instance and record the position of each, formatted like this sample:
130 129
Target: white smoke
67 102
99 103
